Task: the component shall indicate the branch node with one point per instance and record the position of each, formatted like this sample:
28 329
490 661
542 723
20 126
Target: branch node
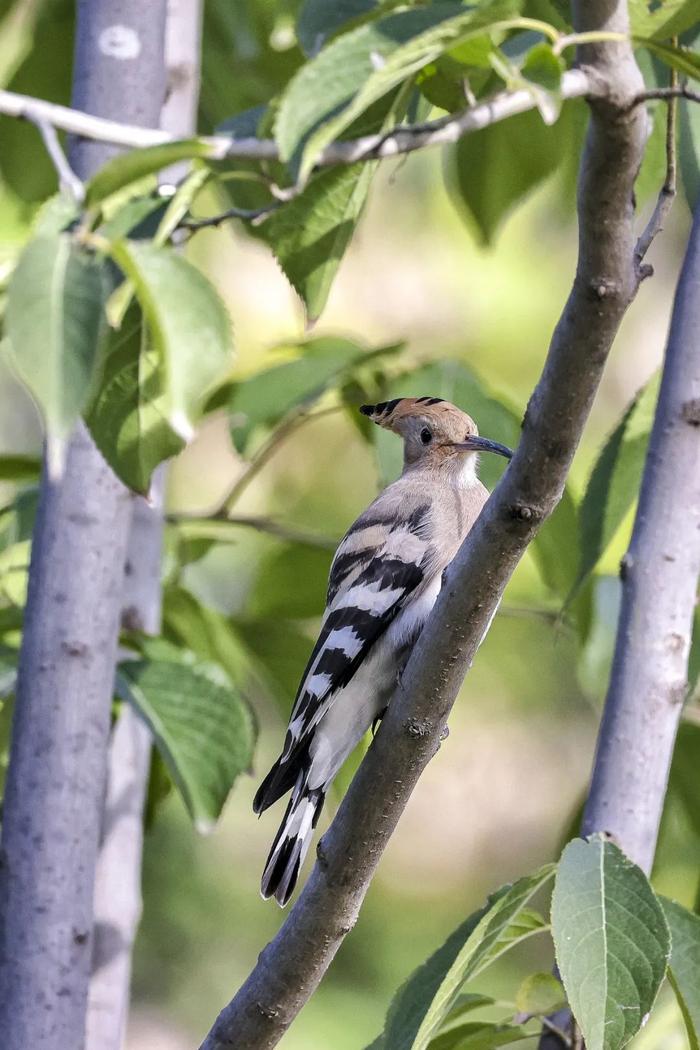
417 727
321 856
626 566
690 412
270 1012
521 512
644 270
604 288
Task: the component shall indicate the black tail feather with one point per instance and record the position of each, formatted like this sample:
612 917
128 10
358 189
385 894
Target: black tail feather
292 842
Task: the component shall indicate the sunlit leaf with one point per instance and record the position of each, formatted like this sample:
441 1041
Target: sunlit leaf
421 1006
269 396
188 324
332 90
130 167
662 19
128 418
684 965
191 625
55 326
534 150
611 939
309 235
202 727
540 993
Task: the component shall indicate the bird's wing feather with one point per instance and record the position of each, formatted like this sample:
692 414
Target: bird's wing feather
380 562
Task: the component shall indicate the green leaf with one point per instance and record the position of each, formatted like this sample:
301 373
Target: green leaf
365 64
524 150
423 1003
320 19
291 583
55 326
128 417
540 993
615 479
280 651
17 519
478 1035
191 625
689 150
202 728
662 19
543 67
269 396
684 783
188 324
684 965
310 234
19 468
555 547
611 941
45 72
130 167
14 570
679 58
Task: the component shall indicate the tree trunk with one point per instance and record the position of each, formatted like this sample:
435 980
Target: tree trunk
56 779
659 574
118 902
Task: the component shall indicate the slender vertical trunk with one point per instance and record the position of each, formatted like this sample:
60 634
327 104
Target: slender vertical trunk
659 590
118 879
56 779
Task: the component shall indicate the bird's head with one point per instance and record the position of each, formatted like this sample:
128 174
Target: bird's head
434 432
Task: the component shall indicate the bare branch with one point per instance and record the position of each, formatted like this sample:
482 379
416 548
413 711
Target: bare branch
675 91
215 522
667 193
252 215
659 575
67 178
292 965
575 84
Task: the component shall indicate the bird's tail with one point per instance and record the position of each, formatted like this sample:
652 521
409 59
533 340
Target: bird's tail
292 841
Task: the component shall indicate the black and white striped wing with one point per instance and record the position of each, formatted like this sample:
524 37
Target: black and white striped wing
377 566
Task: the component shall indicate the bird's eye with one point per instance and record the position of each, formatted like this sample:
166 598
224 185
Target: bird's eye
426 435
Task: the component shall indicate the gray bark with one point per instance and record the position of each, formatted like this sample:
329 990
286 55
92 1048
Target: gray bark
118 903
291 966
659 574
117 898
56 780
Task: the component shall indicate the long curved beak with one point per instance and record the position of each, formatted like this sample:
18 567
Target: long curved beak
481 444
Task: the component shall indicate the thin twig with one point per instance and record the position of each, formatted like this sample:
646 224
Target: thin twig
287 427
252 215
67 178
665 93
667 193
261 524
574 84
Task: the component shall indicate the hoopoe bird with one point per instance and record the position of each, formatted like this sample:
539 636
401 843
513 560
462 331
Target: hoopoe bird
384 580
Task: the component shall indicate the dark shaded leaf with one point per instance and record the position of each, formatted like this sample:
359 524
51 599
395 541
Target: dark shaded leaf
128 418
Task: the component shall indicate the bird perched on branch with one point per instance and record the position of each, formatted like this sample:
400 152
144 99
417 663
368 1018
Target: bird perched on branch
384 580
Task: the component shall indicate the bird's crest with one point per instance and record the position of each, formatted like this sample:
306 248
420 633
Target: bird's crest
387 414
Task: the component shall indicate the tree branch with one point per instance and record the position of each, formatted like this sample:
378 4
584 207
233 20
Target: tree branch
575 84
659 575
667 193
58 760
291 966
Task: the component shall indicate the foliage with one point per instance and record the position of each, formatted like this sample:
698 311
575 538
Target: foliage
612 937
102 318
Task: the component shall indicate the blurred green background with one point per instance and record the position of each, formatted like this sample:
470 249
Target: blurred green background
501 796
